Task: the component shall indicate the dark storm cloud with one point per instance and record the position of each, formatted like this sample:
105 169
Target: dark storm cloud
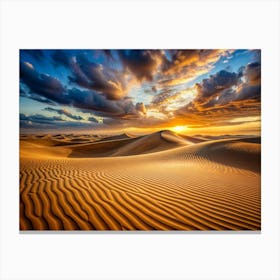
250 89
90 75
249 92
42 84
216 83
93 101
253 73
64 112
141 63
36 97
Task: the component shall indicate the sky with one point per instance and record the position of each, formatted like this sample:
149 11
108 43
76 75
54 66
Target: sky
201 91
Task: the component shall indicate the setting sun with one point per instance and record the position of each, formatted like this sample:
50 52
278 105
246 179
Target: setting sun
179 128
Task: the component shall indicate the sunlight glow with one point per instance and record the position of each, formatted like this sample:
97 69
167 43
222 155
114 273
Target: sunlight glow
179 128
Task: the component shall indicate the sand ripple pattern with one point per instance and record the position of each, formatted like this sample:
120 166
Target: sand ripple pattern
174 190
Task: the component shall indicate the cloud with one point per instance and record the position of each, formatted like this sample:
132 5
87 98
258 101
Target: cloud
49 90
169 100
92 119
108 54
162 97
64 112
253 73
186 65
42 84
61 58
140 107
93 101
215 84
22 92
37 118
40 99
184 59
36 54
106 89
257 55
38 122
251 88
154 89
90 75
141 63
225 95
100 82
248 92
36 97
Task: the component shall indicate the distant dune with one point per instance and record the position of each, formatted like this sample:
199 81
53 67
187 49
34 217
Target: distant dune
161 181
116 137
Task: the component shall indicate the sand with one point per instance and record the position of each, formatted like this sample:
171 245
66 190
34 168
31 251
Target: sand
161 181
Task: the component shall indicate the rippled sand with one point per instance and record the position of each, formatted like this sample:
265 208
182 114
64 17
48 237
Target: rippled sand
161 181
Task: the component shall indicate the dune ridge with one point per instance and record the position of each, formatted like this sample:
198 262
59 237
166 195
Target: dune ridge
169 184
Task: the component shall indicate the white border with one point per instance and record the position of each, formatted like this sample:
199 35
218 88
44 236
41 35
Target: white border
146 24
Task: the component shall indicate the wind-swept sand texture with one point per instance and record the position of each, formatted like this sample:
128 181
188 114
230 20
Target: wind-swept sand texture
161 181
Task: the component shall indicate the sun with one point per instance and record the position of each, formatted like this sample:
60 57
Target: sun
179 128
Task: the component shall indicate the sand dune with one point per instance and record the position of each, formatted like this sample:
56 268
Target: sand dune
164 182
155 142
240 153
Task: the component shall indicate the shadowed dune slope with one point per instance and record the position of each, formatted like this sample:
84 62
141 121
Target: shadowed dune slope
242 153
49 141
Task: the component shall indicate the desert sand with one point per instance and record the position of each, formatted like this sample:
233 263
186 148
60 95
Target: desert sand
161 181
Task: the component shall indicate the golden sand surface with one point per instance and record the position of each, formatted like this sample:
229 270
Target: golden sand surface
161 181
